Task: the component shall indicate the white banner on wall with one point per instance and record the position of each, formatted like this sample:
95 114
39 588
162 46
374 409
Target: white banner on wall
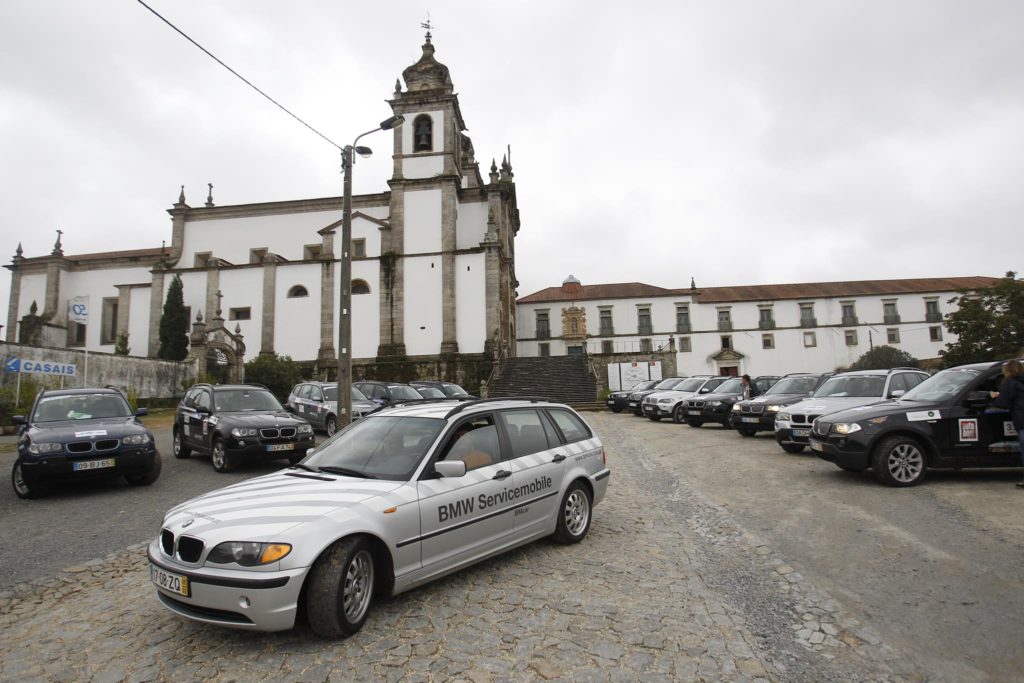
78 310
625 375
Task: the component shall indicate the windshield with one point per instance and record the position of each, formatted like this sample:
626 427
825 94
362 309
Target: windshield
239 400
692 384
399 392
379 447
667 383
430 392
942 386
453 390
732 386
793 385
864 386
645 385
80 407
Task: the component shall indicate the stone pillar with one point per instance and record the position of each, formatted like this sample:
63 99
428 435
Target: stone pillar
449 214
392 280
492 288
12 307
124 302
50 306
269 304
212 288
326 356
156 311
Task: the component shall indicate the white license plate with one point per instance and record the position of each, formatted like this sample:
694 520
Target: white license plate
611 401
801 432
92 464
281 447
632 404
817 446
174 583
694 412
750 419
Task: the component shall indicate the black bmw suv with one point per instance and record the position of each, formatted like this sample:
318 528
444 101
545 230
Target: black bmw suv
236 422
758 414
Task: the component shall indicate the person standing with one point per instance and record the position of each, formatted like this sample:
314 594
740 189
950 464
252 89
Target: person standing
1011 397
750 389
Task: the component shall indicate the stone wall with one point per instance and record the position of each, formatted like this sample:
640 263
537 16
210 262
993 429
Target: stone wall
468 370
149 378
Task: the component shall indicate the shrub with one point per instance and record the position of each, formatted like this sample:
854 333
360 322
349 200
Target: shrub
277 373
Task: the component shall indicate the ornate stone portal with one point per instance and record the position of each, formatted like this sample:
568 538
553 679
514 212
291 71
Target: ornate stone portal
204 340
574 324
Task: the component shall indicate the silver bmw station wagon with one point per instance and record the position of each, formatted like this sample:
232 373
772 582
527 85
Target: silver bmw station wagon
395 500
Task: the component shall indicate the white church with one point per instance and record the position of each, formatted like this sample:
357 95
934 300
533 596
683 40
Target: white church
432 261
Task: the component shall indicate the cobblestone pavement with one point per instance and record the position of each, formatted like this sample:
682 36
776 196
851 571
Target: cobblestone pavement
666 587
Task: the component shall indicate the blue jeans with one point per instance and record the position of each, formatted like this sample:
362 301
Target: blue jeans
1020 440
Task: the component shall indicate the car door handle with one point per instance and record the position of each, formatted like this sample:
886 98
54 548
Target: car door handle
558 458
502 474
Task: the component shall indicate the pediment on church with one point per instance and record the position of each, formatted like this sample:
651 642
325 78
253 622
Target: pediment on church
727 355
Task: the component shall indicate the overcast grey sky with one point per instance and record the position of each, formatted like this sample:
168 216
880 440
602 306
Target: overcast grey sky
738 142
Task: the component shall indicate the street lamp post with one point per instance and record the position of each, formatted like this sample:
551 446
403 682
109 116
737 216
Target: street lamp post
345 306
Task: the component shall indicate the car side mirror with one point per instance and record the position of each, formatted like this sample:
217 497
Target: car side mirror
978 398
896 393
141 412
202 409
450 468
289 408
19 420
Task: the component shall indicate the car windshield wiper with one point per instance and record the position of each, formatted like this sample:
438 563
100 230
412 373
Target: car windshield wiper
346 471
300 466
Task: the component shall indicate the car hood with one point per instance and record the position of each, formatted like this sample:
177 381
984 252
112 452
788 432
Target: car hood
277 418
672 393
912 411
98 428
775 399
719 397
824 406
264 507
366 406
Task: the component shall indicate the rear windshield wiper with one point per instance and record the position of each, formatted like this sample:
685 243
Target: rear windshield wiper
346 471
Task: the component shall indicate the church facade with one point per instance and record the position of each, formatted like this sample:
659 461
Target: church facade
433 274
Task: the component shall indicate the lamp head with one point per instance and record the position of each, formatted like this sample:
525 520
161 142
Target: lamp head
363 151
393 122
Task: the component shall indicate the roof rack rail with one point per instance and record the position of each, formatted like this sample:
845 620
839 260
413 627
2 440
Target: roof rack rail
462 406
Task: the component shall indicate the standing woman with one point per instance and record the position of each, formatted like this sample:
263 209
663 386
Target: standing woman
1011 397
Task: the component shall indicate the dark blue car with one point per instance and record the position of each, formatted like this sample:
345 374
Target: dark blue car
77 434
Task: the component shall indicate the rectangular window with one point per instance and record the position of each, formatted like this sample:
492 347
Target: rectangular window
767 341
201 259
544 350
606 328
724 320
932 313
726 341
256 255
684 345
643 320
810 340
766 318
543 325
607 346
807 318
645 345
889 312
359 248
851 337
108 331
849 313
240 313
682 318
893 335
935 333
76 334
311 252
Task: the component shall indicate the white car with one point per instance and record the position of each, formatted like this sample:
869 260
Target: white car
404 496
672 403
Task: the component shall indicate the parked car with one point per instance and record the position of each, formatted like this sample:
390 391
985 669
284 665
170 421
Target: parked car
72 435
672 402
619 400
765 382
450 389
387 393
715 406
317 402
636 397
237 422
758 414
946 421
841 392
428 391
399 498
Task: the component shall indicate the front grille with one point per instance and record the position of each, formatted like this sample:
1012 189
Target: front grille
190 549
804 419
755 409
287 432
695 404
167 542
90 446
275 433
79 447
106 445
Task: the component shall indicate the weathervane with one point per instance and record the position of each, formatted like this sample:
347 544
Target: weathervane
427 25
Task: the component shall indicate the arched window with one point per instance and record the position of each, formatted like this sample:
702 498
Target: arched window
360 287
423 134
297 292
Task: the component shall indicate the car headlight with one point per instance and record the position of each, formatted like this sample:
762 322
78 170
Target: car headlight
845 428
784 417
736 407
714 403
239 432
248 553
305 429
38 448
774 409
135 440
665 400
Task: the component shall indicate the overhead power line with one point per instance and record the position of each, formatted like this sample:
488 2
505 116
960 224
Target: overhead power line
238 75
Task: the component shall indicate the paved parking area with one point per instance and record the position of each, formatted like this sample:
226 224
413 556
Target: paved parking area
693 571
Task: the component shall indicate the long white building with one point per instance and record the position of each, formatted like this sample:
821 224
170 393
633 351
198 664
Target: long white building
753 329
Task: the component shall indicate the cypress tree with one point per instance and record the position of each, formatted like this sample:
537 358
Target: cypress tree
174 324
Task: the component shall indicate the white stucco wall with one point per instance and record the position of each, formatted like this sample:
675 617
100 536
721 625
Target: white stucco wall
366 311
193 291
423 166
423 333
97 285
470 302
366 230
471 224
296 320
243 288
422 222
33 288
138 321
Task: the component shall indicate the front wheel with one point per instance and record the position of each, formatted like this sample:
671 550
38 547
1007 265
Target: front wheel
747 431
149 477
21 487
654 418
220 458
331 425
616 409
695 423
574 515
679 414
899 461
340 589
792 447
178 446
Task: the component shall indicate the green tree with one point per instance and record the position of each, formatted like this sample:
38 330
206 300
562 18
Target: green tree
988 323
174 324
883 358
277 373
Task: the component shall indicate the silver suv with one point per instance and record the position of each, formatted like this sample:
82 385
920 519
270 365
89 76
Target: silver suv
397 499
841 392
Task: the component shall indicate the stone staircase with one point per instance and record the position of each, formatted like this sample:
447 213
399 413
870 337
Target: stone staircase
565 379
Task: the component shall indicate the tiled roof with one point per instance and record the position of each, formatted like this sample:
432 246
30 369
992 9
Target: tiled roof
805 290
621 290
105 255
